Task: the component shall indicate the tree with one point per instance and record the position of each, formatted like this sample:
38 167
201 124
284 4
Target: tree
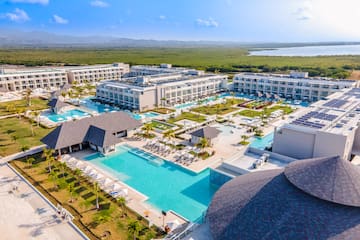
19 111
163 100
37 117
203 143
77 174
147 128
48 155
27 96
122 203
30 161
96 189
244 137
62 166
134 228
14 137
25 148
169 134
71 189
53 177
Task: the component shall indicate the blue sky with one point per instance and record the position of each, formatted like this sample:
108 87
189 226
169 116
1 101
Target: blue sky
229 20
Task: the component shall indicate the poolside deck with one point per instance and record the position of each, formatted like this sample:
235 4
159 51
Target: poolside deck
24 214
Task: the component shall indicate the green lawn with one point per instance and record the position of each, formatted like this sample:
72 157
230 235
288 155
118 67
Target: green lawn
161 126
286 109
221 108
189 116
162 110
250 113
16 133
7 108
225 59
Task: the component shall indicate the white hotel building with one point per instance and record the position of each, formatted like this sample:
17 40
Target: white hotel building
295 86
33 78
326 128
167 89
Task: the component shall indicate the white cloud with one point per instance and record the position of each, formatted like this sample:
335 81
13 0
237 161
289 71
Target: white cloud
304 12
43 2
162 17
98 3
60 20
210 22
18 15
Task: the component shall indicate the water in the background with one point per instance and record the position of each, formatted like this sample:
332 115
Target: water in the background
310 51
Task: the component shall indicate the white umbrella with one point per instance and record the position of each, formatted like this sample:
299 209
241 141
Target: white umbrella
79 164
124 192
106 181
92 173
98 176
88 169
115 187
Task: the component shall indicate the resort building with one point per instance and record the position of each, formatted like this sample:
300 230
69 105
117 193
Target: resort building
144 70
57 105
33 78
209 133
326 128
100 133
309 199
97 73
296 86
167 89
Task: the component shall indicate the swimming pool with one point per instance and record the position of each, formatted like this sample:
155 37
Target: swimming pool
262 143
96 106
65 116
168 186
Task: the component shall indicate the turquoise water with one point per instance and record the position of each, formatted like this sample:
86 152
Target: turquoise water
66 116
262 143
168 186
311 51
206 100
97 107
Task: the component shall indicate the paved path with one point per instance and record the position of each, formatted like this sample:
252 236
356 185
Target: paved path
24 214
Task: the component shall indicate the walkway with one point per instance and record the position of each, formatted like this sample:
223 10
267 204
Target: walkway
24 214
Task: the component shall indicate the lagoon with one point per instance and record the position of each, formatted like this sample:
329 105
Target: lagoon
310 51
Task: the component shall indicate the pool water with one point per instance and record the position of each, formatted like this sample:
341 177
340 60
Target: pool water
96 106
262 143
168 186
66 116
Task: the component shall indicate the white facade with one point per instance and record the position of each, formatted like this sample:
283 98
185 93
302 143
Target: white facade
97 73
295 86
146 92
21 79
327 128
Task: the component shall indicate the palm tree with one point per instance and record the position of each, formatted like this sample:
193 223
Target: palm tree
122 203
244 137
48 155
96 189
30 161
53 177
62 165
203 143
77 174
169 134
134 228
27 96
163 100
19 111
71 189
14 137
37 117
25 148
10 107
148 127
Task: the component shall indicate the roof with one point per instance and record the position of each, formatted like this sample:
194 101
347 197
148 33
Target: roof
328 178
100 137
57 103
71 133
267 205
206 132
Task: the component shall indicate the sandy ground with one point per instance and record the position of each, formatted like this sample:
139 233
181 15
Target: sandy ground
355 75
25 215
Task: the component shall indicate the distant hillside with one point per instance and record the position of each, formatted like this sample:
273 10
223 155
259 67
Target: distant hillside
39 39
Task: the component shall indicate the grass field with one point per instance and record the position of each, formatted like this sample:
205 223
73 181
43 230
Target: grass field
110 217
16 133
189 116
7 108
221 108
225 59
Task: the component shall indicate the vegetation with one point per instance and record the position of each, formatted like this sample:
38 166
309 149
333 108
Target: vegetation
161 126
222 59
79 196
16 133
189 116
163 110
266 111
13 107
250 113
244 139
220 108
